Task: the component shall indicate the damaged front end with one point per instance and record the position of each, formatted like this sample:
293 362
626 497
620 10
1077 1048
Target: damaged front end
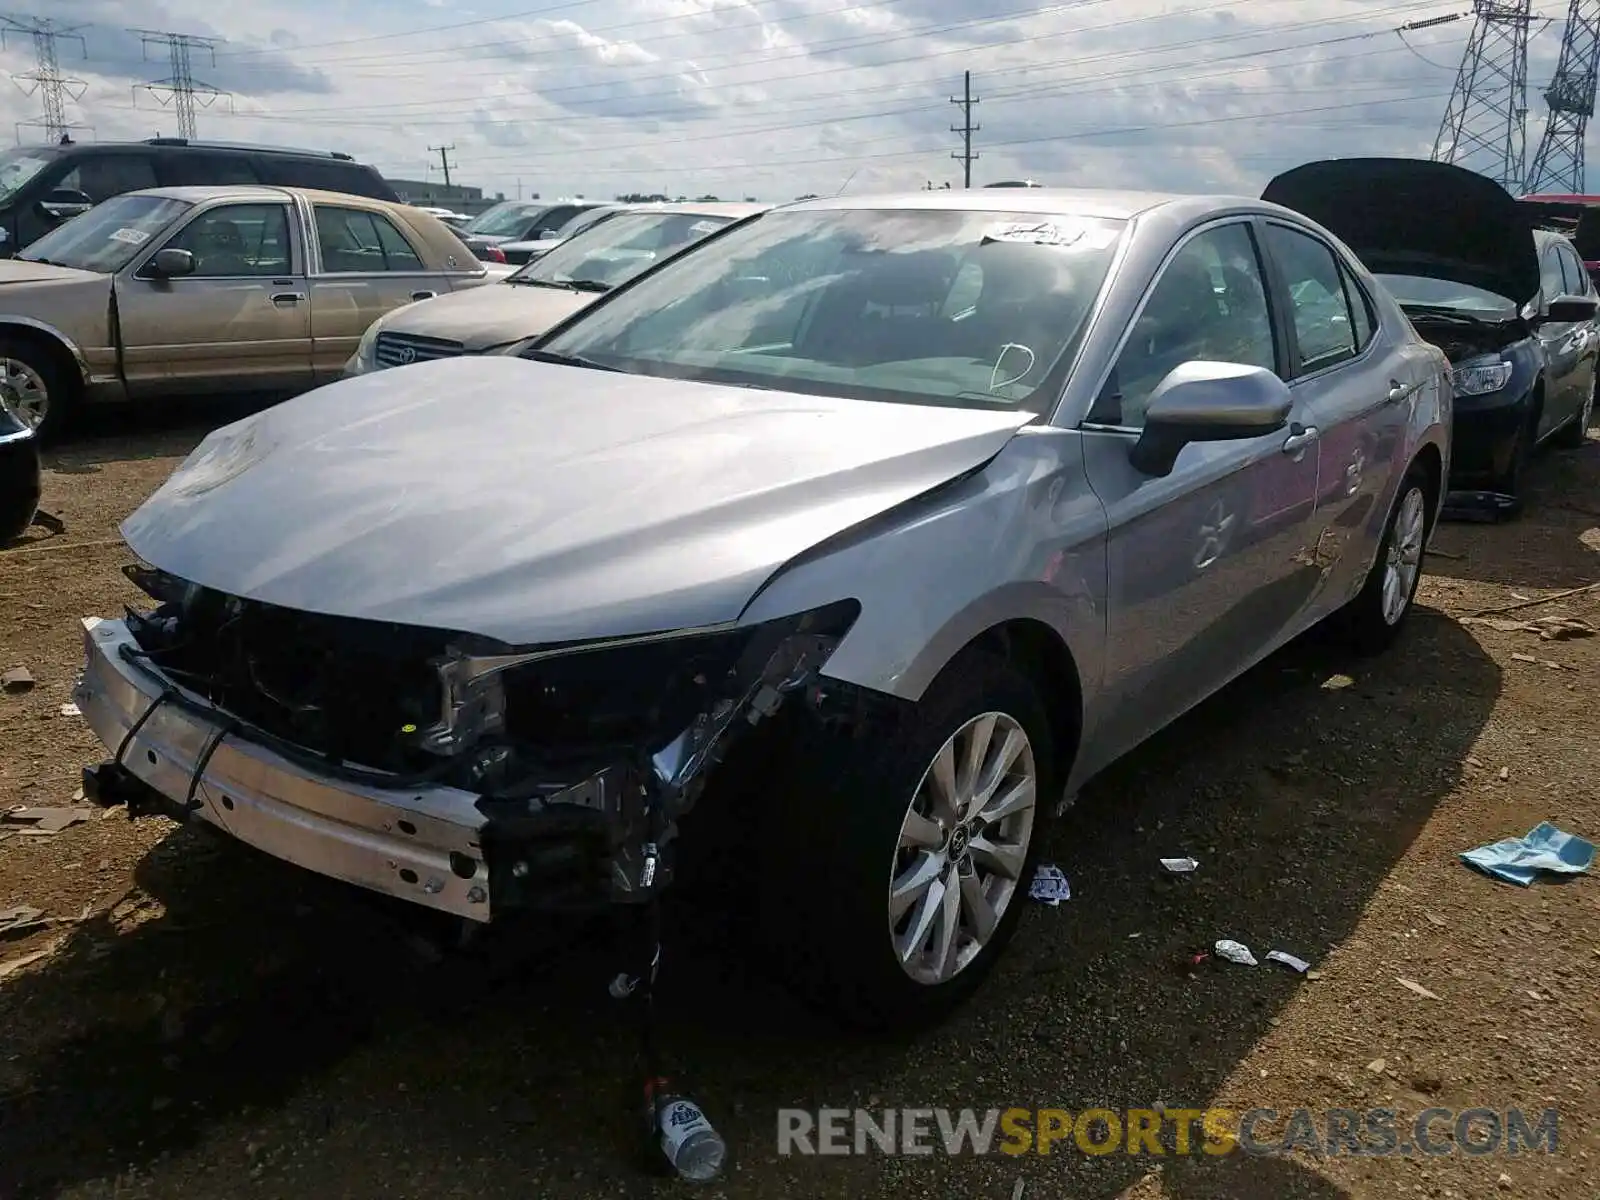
556 774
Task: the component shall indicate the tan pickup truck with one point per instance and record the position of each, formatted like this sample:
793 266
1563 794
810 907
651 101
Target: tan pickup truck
181 290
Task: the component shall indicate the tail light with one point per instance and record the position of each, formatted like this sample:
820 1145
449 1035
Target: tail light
492 254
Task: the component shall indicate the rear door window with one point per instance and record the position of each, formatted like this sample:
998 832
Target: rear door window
354 241
1323 329
188 168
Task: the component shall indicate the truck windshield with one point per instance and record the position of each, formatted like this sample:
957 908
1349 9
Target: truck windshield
107 237
17 167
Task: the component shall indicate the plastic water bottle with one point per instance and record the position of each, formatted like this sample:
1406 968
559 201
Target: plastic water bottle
691 1145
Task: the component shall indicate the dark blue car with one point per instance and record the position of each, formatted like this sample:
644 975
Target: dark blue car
1511 307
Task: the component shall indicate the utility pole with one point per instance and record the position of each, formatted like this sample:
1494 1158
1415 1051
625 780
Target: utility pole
180 89
965 156
444 158
1485 124
54 88
1558 163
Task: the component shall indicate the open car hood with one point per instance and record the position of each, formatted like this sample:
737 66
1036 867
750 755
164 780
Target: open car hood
533 503
1405 216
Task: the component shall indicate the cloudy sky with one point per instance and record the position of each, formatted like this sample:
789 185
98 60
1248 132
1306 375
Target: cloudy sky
773 98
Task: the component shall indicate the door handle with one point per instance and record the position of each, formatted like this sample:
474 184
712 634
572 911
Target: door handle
287 297
1399 391
1299 438
423 295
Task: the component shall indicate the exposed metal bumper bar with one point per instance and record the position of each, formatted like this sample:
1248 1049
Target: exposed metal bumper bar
421 845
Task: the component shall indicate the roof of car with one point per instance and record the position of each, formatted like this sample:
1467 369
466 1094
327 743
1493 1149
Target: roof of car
693 208
201 194
1078 202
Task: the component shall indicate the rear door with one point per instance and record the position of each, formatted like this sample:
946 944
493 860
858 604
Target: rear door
241 320
364 265
1356 387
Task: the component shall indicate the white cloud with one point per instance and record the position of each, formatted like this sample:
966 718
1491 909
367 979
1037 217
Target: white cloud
779 97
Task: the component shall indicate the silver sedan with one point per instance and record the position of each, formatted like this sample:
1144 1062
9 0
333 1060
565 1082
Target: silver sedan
861 531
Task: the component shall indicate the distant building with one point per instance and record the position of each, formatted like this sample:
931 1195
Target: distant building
458 196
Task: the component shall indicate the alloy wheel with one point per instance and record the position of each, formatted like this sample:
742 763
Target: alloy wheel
963 847
1403 562
25 391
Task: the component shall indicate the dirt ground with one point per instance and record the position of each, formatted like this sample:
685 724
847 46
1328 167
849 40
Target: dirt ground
206 1023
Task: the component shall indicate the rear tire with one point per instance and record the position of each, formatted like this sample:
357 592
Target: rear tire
1575 432
1371 622
863 847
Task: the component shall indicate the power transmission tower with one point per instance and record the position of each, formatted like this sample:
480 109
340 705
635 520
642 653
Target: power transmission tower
965 156
54 88
180 88
1485 123
1558 163
444 160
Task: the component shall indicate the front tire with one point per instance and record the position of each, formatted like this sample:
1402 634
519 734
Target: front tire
1372 621
899 864
40 394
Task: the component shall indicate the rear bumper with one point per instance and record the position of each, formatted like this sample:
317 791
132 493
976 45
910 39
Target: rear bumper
423 845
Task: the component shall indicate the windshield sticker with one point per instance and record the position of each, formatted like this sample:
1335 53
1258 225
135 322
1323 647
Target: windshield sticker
1077 235
133 237
704 227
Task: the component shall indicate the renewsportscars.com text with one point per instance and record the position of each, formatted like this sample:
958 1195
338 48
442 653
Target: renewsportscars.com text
1160 1131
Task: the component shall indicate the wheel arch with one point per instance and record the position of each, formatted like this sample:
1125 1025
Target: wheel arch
62 350
1036 649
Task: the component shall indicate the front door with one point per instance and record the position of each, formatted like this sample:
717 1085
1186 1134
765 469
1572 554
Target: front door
240 320
1205 567
1564 345
366 267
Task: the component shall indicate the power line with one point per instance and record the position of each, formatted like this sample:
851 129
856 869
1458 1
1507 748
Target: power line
54 88
1485 123
180 88
1558 163
966 155
444 159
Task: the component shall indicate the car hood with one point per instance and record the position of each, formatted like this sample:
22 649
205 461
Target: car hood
488 316
532 503
1407 216
18 270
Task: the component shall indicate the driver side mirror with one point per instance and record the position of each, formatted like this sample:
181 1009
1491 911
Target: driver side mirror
63 203
171 263
1572 308
1208 402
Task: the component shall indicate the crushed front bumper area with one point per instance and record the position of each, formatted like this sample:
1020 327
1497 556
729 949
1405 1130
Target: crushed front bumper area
422 845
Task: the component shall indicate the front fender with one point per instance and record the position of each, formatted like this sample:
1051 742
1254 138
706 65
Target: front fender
1020 539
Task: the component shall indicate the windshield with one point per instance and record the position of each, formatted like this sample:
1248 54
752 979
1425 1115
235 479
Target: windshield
923 306
504 220
19 166
109 235
1442 293
614 251
583 220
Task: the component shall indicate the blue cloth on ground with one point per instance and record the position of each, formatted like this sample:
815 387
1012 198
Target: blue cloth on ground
1543 848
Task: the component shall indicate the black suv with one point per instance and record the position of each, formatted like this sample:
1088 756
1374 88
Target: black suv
41 186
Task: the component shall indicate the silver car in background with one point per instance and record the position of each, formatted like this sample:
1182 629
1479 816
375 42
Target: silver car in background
855 536
548 290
